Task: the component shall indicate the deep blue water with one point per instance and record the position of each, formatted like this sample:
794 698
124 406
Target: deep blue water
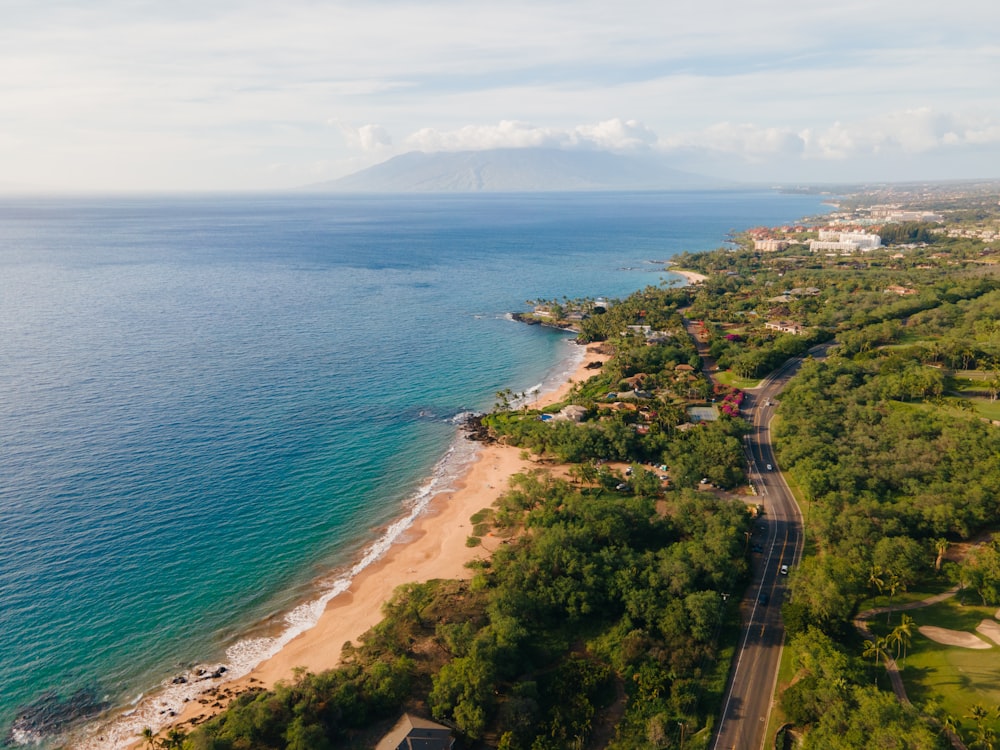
210 404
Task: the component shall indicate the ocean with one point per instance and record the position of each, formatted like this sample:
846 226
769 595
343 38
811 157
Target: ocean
213 407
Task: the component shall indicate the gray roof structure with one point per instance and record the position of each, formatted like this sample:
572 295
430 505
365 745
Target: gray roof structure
414 733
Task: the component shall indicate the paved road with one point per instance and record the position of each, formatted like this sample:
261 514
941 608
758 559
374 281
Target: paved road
747 702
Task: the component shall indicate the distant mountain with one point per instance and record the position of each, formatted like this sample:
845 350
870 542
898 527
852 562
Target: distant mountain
517 170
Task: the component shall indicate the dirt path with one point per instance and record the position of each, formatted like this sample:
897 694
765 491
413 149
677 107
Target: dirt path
861 624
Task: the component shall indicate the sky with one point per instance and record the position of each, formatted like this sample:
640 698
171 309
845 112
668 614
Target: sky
186 95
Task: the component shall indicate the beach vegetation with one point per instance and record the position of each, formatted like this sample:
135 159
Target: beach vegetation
600 599
607 613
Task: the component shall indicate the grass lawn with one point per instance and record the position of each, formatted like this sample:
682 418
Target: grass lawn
983 407
908 338
728 377
925 590
986 408
809 543
954 677
785 674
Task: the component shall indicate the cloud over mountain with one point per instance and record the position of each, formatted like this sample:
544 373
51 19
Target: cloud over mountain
615 135
519 170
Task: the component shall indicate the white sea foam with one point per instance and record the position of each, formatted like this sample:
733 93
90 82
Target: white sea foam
157 709
555 378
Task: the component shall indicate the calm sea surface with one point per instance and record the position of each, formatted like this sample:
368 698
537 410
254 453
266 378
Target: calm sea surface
210 407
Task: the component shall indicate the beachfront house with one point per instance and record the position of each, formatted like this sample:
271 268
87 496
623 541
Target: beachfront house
414 733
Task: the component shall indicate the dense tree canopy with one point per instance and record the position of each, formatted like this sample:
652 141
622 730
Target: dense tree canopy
609 594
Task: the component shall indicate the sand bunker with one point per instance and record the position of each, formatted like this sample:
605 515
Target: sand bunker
990 629
953 637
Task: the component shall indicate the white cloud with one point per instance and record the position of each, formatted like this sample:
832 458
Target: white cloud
747 140
617 135
155 93
367 138
610 135
374 137
907 132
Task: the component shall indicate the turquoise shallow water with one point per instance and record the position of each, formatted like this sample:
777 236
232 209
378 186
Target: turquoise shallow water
211 405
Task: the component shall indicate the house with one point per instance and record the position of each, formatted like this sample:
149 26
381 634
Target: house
414 733
784 327
647 331
571 413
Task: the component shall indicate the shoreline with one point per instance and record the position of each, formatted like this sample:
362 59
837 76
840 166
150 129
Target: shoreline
432 546
692 277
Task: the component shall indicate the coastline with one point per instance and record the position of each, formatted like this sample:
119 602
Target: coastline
433 546
692 277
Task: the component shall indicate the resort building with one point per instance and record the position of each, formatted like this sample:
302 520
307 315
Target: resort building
769 245
896 214
845 243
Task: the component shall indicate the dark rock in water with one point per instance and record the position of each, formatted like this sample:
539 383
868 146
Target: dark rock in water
50 713
476 430
179 680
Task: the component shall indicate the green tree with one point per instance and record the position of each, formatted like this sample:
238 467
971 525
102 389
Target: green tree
870 718
940 549
981 571
902 635
876 649
302 735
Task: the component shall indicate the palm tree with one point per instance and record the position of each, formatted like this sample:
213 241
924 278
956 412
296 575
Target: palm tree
175 739
893 639
985 738
950 726
149 737
978 713
940 547
876 648
893 586
875 578
504 399
902 634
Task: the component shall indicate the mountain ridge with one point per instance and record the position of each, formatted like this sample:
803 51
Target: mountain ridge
517 170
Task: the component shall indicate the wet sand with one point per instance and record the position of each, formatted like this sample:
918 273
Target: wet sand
434 547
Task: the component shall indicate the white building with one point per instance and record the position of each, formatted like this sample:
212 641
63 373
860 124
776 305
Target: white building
769 246
844 242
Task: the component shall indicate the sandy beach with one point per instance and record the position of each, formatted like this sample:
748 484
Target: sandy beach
434 547
692 277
